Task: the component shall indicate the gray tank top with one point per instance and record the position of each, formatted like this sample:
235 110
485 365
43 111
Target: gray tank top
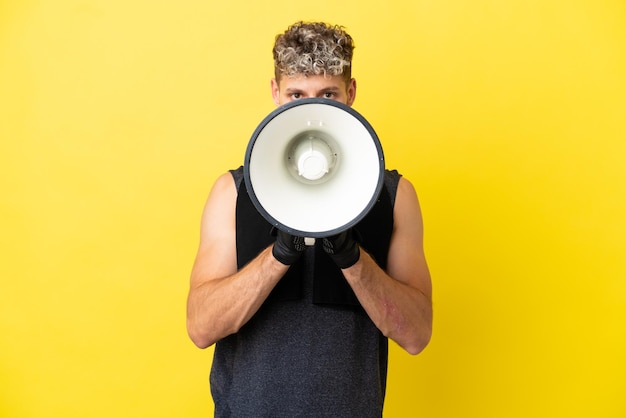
299 359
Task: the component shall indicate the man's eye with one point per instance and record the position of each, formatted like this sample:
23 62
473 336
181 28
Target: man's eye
329 95
296 95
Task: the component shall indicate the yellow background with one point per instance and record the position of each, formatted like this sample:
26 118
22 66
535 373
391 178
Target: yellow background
508 116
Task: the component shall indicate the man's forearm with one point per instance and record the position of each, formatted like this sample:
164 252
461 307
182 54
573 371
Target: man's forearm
219 307
401 312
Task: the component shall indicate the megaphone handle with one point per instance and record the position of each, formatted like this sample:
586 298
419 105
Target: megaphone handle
309 241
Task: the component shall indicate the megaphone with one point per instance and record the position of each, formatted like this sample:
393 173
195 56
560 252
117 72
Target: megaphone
314 167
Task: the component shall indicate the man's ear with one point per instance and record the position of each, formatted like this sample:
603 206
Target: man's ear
351 92
275 91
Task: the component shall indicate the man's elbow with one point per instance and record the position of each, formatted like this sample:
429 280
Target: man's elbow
418 343
201 340
201 343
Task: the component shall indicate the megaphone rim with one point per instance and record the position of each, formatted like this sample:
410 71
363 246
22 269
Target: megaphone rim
271 116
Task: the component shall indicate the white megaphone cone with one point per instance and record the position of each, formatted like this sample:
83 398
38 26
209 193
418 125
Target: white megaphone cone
314 167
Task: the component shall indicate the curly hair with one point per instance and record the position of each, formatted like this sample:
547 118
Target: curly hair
313 48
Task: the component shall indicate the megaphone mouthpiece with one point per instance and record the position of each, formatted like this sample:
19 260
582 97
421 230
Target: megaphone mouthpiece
311 156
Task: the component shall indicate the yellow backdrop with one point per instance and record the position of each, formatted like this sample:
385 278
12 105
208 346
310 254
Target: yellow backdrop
509 117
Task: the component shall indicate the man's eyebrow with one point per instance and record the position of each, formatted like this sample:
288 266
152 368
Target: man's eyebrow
298 90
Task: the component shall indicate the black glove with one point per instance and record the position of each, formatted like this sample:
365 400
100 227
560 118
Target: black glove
287 248
343 249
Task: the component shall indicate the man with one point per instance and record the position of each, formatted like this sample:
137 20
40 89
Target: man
302 331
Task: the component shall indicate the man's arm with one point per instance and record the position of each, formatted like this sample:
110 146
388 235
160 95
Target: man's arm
399 301
221 300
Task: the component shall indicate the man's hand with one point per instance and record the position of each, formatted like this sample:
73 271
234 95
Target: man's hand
343 249
287 248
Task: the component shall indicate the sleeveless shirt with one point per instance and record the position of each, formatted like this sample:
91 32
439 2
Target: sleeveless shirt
306 352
